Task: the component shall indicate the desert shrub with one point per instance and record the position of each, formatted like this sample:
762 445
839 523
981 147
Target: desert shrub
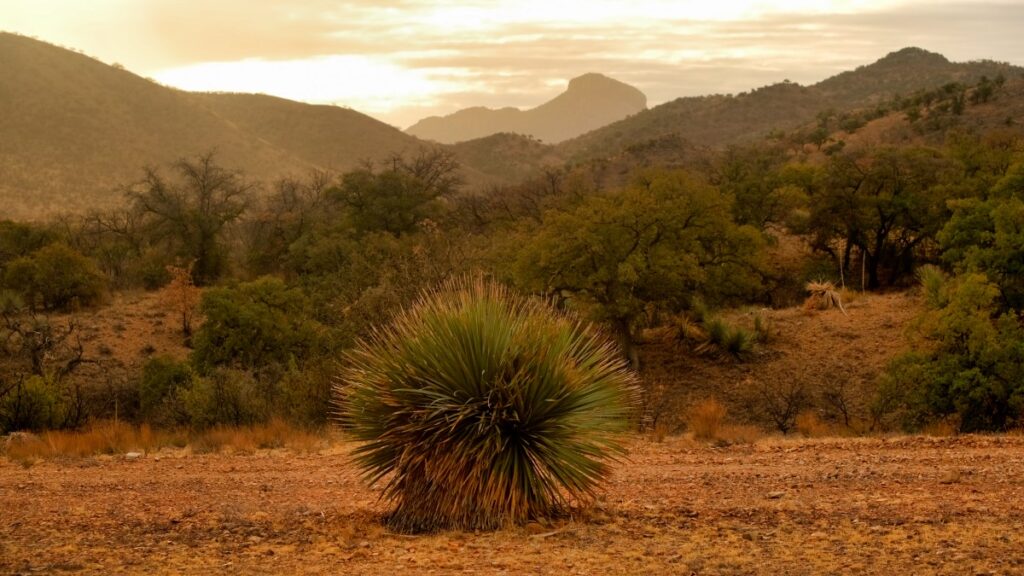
726 339
987 236
480 408
150 270
159 401
226 397
777 401
33 403
968 360
763 328
253 325
809 424
657 245
303 395
57 277
181 297
706 419
19 239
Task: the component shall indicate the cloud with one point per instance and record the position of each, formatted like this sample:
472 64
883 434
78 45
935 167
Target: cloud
401 60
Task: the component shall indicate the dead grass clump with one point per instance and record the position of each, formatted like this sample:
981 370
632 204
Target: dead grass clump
107 437
706 418
659 432
686 329
823 296
764 328
248 439
103 437
740 434
810 425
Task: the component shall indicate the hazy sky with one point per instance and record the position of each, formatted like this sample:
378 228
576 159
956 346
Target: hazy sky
406 59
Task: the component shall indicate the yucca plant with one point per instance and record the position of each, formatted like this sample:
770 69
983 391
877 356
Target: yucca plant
480 408
725 339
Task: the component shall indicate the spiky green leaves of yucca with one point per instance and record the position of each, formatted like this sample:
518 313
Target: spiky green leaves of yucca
480 408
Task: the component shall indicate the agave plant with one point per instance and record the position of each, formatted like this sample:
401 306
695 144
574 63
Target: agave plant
480 408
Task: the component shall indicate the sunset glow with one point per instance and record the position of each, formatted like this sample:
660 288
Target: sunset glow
402 61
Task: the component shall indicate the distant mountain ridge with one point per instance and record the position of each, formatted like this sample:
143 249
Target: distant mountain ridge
72 129
589 102
720 120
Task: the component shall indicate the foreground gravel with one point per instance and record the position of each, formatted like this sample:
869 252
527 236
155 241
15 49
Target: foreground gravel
855 506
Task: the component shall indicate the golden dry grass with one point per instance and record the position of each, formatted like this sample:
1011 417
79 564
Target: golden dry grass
708 421
107 437
248 439
706 418
810 425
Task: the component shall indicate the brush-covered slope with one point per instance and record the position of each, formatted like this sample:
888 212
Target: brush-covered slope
330 137
721 120
589 102
72 129
505 158
902 73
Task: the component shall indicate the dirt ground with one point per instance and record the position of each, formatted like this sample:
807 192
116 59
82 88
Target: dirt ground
853 506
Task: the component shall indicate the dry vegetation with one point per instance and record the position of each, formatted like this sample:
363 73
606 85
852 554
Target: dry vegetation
860 506
822 363
108 438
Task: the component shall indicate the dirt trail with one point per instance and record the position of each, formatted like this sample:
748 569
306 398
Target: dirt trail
875 506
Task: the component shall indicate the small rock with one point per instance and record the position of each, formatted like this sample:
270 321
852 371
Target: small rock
775 495
132 455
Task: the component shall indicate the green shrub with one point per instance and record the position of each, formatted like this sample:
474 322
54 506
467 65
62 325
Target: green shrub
35 403
20 239
727 339
481 408
254 325
968 362
230 397
303 396
162 378
57 277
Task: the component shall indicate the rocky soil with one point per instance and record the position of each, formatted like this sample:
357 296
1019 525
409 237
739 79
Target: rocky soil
855 506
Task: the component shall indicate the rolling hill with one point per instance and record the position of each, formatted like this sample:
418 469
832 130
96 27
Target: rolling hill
72 129
589 102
